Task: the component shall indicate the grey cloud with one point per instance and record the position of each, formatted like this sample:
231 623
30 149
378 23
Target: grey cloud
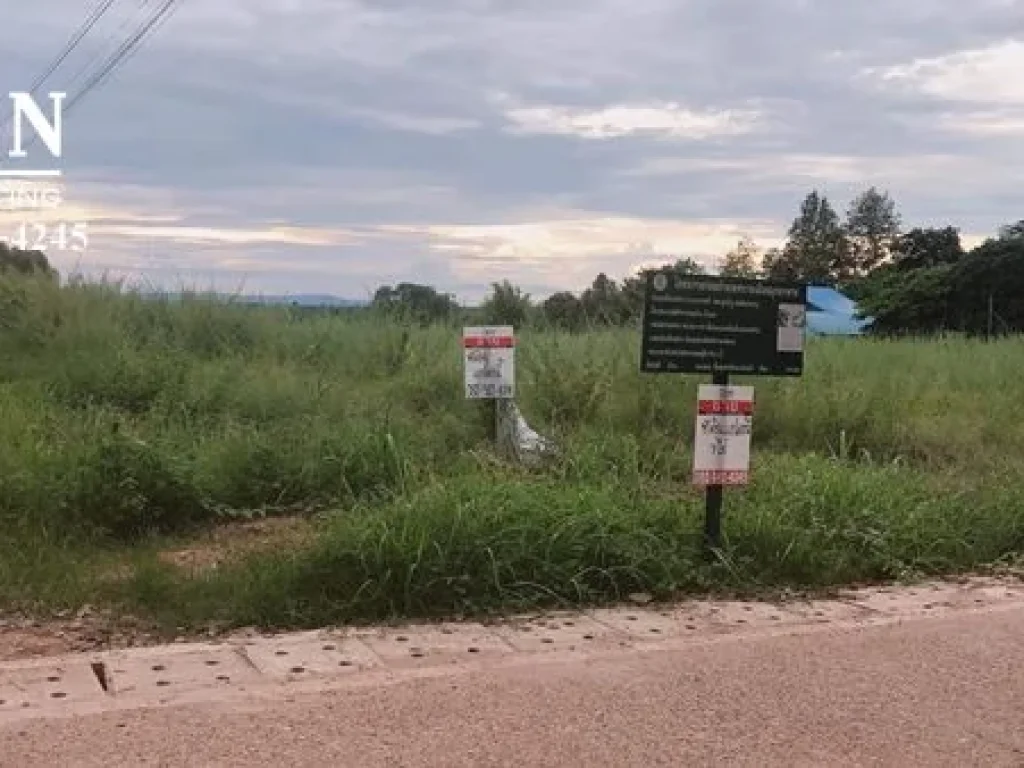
243 113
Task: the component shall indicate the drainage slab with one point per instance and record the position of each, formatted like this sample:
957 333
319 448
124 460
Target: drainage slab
319 655
45 686
167 673
930 598
433 645
561 632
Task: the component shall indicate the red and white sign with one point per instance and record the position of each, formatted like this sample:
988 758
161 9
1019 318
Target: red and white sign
490 357
721 445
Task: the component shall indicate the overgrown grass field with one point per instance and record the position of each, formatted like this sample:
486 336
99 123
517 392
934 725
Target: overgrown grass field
126 425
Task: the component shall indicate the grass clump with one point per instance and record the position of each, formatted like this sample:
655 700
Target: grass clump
476 546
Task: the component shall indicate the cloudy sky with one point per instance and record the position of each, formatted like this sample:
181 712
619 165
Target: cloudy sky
335 145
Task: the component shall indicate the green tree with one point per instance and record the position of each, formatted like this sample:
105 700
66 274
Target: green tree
631 294
872 227
412 302
604 303
24 262
688 266
927 247
742 261
817 250
1012 231
564 310
507 305
917 301
933 286
989 285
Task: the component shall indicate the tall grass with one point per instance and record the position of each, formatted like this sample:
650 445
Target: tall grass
125 417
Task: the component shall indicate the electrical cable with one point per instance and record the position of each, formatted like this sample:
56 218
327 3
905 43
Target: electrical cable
76 38
70 46
123 53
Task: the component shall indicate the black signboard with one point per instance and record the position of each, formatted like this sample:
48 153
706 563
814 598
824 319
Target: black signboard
700 324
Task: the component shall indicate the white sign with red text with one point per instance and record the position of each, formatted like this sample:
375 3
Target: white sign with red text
721 446
490 358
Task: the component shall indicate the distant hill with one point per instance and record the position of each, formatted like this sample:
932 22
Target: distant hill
304 300
298 299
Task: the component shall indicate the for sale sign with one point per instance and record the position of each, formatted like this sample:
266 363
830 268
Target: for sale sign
490 356
721 446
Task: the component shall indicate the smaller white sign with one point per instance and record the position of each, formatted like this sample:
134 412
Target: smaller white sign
490 358
791 326
721 445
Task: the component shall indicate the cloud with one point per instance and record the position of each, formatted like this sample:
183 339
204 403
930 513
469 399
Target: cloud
985 124
356 142
799 170
991 75
571 248
433 125
666 120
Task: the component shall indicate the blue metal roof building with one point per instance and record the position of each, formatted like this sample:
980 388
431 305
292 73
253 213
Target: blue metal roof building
830 313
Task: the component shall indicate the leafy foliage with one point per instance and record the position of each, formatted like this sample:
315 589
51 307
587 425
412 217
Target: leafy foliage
872 227
412 302
507 305
927 247
817 251
24 262
742 261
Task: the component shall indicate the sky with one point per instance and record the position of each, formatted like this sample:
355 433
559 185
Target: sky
332 146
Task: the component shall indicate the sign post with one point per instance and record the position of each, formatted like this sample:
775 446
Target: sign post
489 354
721 326
721 446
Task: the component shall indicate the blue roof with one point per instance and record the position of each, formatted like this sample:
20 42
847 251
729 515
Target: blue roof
830 313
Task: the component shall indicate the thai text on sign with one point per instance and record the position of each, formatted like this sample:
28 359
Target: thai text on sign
489 355
721 446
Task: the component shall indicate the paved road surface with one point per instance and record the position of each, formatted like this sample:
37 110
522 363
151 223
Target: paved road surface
946 691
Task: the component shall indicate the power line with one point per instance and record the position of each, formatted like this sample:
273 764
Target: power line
105 49
123 53
70 46
97 13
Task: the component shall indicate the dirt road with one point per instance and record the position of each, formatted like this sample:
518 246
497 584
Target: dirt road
934 679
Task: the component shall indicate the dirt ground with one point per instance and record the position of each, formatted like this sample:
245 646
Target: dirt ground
92 629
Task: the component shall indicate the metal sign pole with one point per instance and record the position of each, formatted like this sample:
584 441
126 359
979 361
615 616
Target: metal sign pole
713 495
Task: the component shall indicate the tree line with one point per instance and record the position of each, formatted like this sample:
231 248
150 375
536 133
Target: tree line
914 281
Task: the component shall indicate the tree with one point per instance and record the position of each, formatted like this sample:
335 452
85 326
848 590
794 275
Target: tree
872 227
932 285
1012 231
774 265
817 250
917 301
24 262
630 300
741 261
507 305
989 285
687 265
564 310
415 303
927 247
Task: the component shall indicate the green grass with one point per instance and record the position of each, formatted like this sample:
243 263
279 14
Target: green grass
126 422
